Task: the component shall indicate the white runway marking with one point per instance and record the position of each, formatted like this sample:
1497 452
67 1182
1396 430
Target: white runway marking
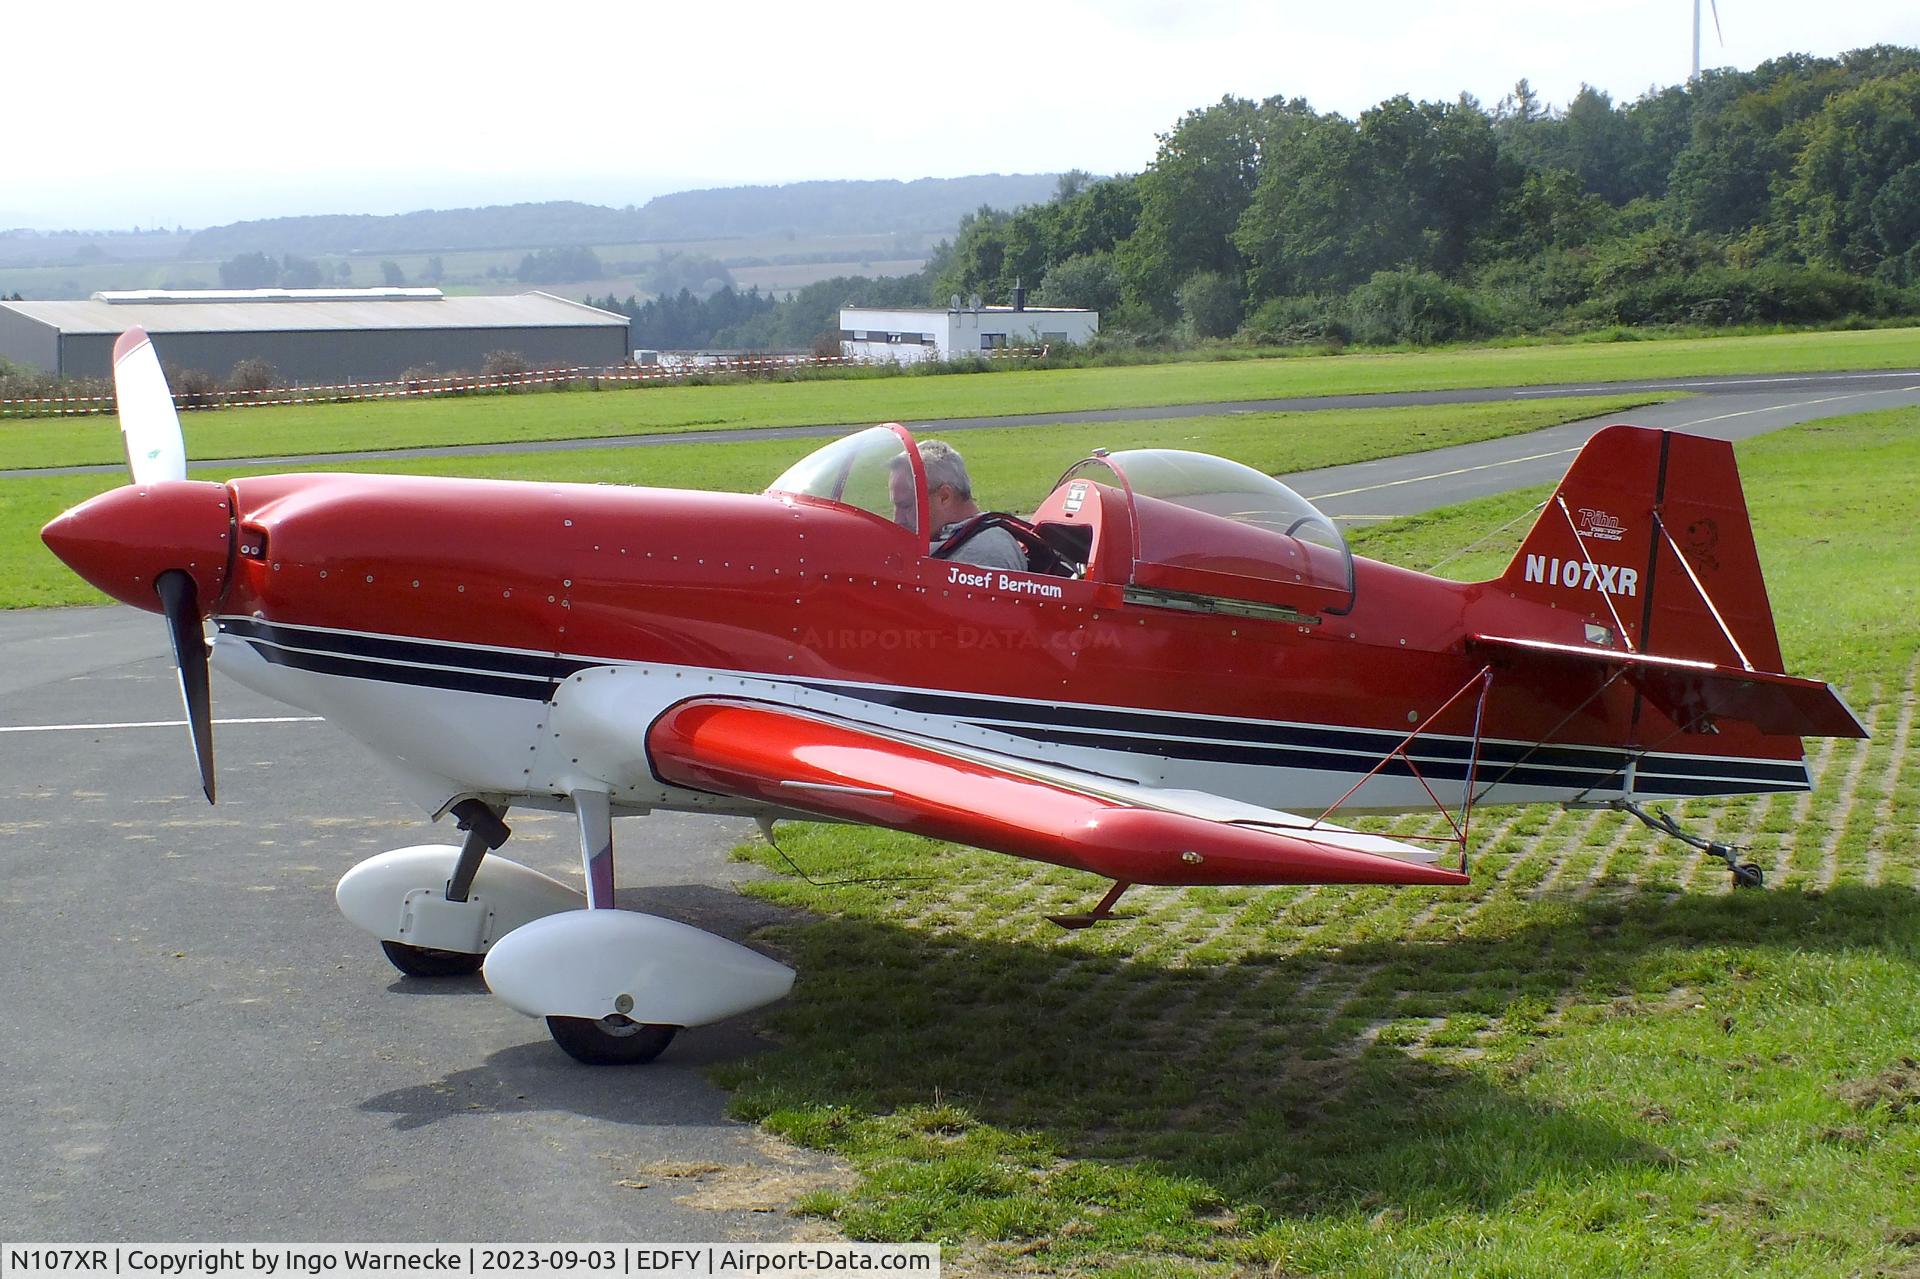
1792 404
155 723
1441 475
1664 385
1535 457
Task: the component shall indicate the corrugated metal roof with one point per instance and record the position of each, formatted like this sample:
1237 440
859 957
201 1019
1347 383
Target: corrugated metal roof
120 297
968 310
513 311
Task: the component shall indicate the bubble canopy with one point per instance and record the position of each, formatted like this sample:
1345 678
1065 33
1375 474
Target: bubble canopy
1177 528
876 470
1204 525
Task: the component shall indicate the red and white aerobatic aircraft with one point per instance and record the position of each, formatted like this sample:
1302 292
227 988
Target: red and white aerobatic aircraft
1194 673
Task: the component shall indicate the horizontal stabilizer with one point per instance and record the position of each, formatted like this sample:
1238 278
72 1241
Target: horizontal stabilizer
1687 691
834 768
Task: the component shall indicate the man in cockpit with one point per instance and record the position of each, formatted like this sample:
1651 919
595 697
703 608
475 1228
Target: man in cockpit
950 507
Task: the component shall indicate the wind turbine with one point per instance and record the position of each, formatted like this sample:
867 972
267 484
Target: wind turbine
1718 35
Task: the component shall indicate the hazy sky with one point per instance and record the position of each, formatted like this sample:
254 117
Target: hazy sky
198 113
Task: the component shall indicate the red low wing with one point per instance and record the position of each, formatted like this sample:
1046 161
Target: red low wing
1685 690
835 769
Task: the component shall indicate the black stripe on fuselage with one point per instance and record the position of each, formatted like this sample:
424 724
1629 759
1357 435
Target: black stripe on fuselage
422 663
386 648
535 676
1213 752
419 676
1241 741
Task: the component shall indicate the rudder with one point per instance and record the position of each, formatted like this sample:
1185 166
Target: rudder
1650 527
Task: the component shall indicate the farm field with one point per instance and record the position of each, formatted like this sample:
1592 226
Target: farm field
1017 466
782 279
1595 1060
805 258
243 432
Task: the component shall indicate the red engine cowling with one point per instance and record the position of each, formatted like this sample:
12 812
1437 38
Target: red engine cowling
121 541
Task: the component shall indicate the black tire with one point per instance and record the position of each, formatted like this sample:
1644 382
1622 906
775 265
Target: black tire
1749 875
418 961
610 1041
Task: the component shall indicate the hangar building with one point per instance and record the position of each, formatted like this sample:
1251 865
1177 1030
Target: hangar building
312 335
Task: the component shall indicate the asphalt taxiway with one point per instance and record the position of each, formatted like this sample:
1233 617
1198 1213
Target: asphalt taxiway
197 1046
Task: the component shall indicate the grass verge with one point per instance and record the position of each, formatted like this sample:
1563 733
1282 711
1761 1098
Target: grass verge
1016 466
1595 1060
255 432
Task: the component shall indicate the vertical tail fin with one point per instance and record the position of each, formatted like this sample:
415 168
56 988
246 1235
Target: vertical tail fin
1649 530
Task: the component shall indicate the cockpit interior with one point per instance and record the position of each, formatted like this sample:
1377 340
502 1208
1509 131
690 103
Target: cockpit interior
1176 528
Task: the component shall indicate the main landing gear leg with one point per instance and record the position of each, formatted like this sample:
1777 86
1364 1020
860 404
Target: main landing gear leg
484 832
616 1039
1745 874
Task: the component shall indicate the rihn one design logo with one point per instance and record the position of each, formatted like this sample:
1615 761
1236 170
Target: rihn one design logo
1600 525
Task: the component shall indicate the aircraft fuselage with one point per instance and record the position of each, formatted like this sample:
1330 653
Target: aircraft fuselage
448 623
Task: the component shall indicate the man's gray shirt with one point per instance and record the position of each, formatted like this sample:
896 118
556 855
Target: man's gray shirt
989 548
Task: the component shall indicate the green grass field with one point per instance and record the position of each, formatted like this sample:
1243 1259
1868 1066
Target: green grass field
1595 1060
254 432
1017 465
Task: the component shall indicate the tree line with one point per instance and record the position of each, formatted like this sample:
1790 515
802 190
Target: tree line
686 321
1789 193
291 271
729 319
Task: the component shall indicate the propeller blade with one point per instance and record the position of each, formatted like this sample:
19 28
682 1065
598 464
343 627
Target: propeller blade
148 423
181 600
1715 6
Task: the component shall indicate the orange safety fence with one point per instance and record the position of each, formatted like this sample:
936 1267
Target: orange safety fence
610 377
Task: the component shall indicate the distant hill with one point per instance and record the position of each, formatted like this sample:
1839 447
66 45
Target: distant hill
22 247
929 205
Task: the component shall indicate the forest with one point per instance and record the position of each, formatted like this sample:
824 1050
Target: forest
1788 194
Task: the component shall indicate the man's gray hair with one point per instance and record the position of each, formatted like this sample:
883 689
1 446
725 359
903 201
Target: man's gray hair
944 466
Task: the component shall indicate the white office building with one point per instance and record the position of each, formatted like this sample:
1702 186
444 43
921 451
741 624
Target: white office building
911 334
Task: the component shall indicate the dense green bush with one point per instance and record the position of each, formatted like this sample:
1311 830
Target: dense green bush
1210 305
1413 306
18 382
193 388
1770 293
1085 279
1301 321
253 374
504 364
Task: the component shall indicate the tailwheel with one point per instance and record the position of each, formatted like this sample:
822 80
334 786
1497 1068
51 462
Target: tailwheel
419 961
1745 874
610 1041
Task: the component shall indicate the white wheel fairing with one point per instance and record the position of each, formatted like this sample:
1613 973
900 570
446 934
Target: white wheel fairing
399 896
600 963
